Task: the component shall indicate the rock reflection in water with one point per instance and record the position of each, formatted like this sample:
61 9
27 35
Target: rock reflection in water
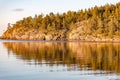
84 55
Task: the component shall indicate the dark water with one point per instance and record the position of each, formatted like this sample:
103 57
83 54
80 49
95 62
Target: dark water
32 60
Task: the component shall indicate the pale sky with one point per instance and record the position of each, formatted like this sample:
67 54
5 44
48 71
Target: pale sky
14 10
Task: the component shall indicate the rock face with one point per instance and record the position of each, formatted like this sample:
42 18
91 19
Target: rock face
77 33
34 35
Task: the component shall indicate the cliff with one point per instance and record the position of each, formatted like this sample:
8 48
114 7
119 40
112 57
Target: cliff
77 33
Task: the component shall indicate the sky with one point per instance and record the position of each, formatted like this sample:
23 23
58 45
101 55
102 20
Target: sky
14 10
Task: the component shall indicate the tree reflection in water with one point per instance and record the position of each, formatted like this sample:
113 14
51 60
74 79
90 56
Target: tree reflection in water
83 55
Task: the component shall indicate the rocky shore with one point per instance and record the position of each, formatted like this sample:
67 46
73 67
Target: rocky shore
73 35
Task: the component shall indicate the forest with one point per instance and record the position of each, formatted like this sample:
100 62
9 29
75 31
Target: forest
102 21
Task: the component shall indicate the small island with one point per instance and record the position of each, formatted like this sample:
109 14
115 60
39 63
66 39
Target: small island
94 24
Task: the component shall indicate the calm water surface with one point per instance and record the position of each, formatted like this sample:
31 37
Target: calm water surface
22 60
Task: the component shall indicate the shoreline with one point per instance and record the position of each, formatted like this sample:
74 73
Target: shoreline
92 41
